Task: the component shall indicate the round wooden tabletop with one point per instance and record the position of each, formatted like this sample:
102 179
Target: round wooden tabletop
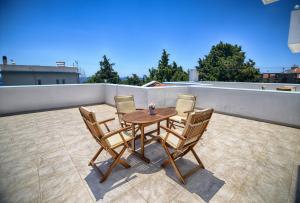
143 116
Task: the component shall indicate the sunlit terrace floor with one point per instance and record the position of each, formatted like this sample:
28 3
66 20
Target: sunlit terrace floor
44 158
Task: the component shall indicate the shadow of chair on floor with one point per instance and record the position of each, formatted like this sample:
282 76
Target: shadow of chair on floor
120 176
202 183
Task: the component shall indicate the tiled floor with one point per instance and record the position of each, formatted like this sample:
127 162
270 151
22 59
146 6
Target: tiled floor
44 156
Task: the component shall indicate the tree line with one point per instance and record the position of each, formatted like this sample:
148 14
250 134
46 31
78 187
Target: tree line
225 62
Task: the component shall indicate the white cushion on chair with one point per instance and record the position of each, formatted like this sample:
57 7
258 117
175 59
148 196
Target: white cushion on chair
116 139
184 105
172 139
177 118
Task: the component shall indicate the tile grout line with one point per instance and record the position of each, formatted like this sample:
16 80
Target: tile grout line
294 168
139 192
38 169
76 168
248 175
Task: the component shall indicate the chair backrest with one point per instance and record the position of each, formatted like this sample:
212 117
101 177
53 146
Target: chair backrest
124 104
195 126
185 102
90 121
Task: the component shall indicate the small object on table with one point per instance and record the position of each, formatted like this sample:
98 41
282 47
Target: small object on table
151 109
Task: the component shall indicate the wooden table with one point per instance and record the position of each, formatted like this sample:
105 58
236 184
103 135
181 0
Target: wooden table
142 119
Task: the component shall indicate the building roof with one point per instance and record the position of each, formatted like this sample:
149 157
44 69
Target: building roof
36 68
153 84
294 70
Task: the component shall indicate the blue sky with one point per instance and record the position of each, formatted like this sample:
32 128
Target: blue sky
132 33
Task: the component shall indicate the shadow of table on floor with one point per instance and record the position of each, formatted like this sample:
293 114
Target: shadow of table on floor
202 183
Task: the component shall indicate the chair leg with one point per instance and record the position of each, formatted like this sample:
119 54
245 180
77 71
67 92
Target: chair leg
179 175
114 154
174 156
107 128
172 125
95 156
197 158
109 170
200 166
165 163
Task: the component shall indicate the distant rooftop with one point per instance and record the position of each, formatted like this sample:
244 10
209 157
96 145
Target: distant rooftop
154 83
37 68
293 70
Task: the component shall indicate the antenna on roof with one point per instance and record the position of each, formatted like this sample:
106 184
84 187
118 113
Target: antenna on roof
4 59
76 63
60 63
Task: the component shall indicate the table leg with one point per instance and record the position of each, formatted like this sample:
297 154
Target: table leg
142 140
133 134
168 122
158 128
142 155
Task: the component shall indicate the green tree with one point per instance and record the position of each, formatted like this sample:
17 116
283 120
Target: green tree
133 80
145 79
227 62
178 74
167 72
106 73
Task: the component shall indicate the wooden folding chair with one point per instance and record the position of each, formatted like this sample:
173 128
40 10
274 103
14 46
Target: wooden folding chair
124 104
108 141
184 142
185 105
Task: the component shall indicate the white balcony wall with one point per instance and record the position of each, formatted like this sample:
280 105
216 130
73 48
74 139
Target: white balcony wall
165 96
249 85
32 98
238 85
139 93
272 106
161 96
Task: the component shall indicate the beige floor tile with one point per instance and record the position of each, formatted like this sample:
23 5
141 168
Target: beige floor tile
76 194
112 188
266 184
225 194
293 187
129 196
157 189
185 196
28 193
54 186
245 160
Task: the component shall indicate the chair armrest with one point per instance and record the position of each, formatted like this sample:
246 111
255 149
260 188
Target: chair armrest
140 109
115 132
173 132
120 113
189 111
105 121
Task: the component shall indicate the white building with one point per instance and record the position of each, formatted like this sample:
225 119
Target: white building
193 75
37 75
